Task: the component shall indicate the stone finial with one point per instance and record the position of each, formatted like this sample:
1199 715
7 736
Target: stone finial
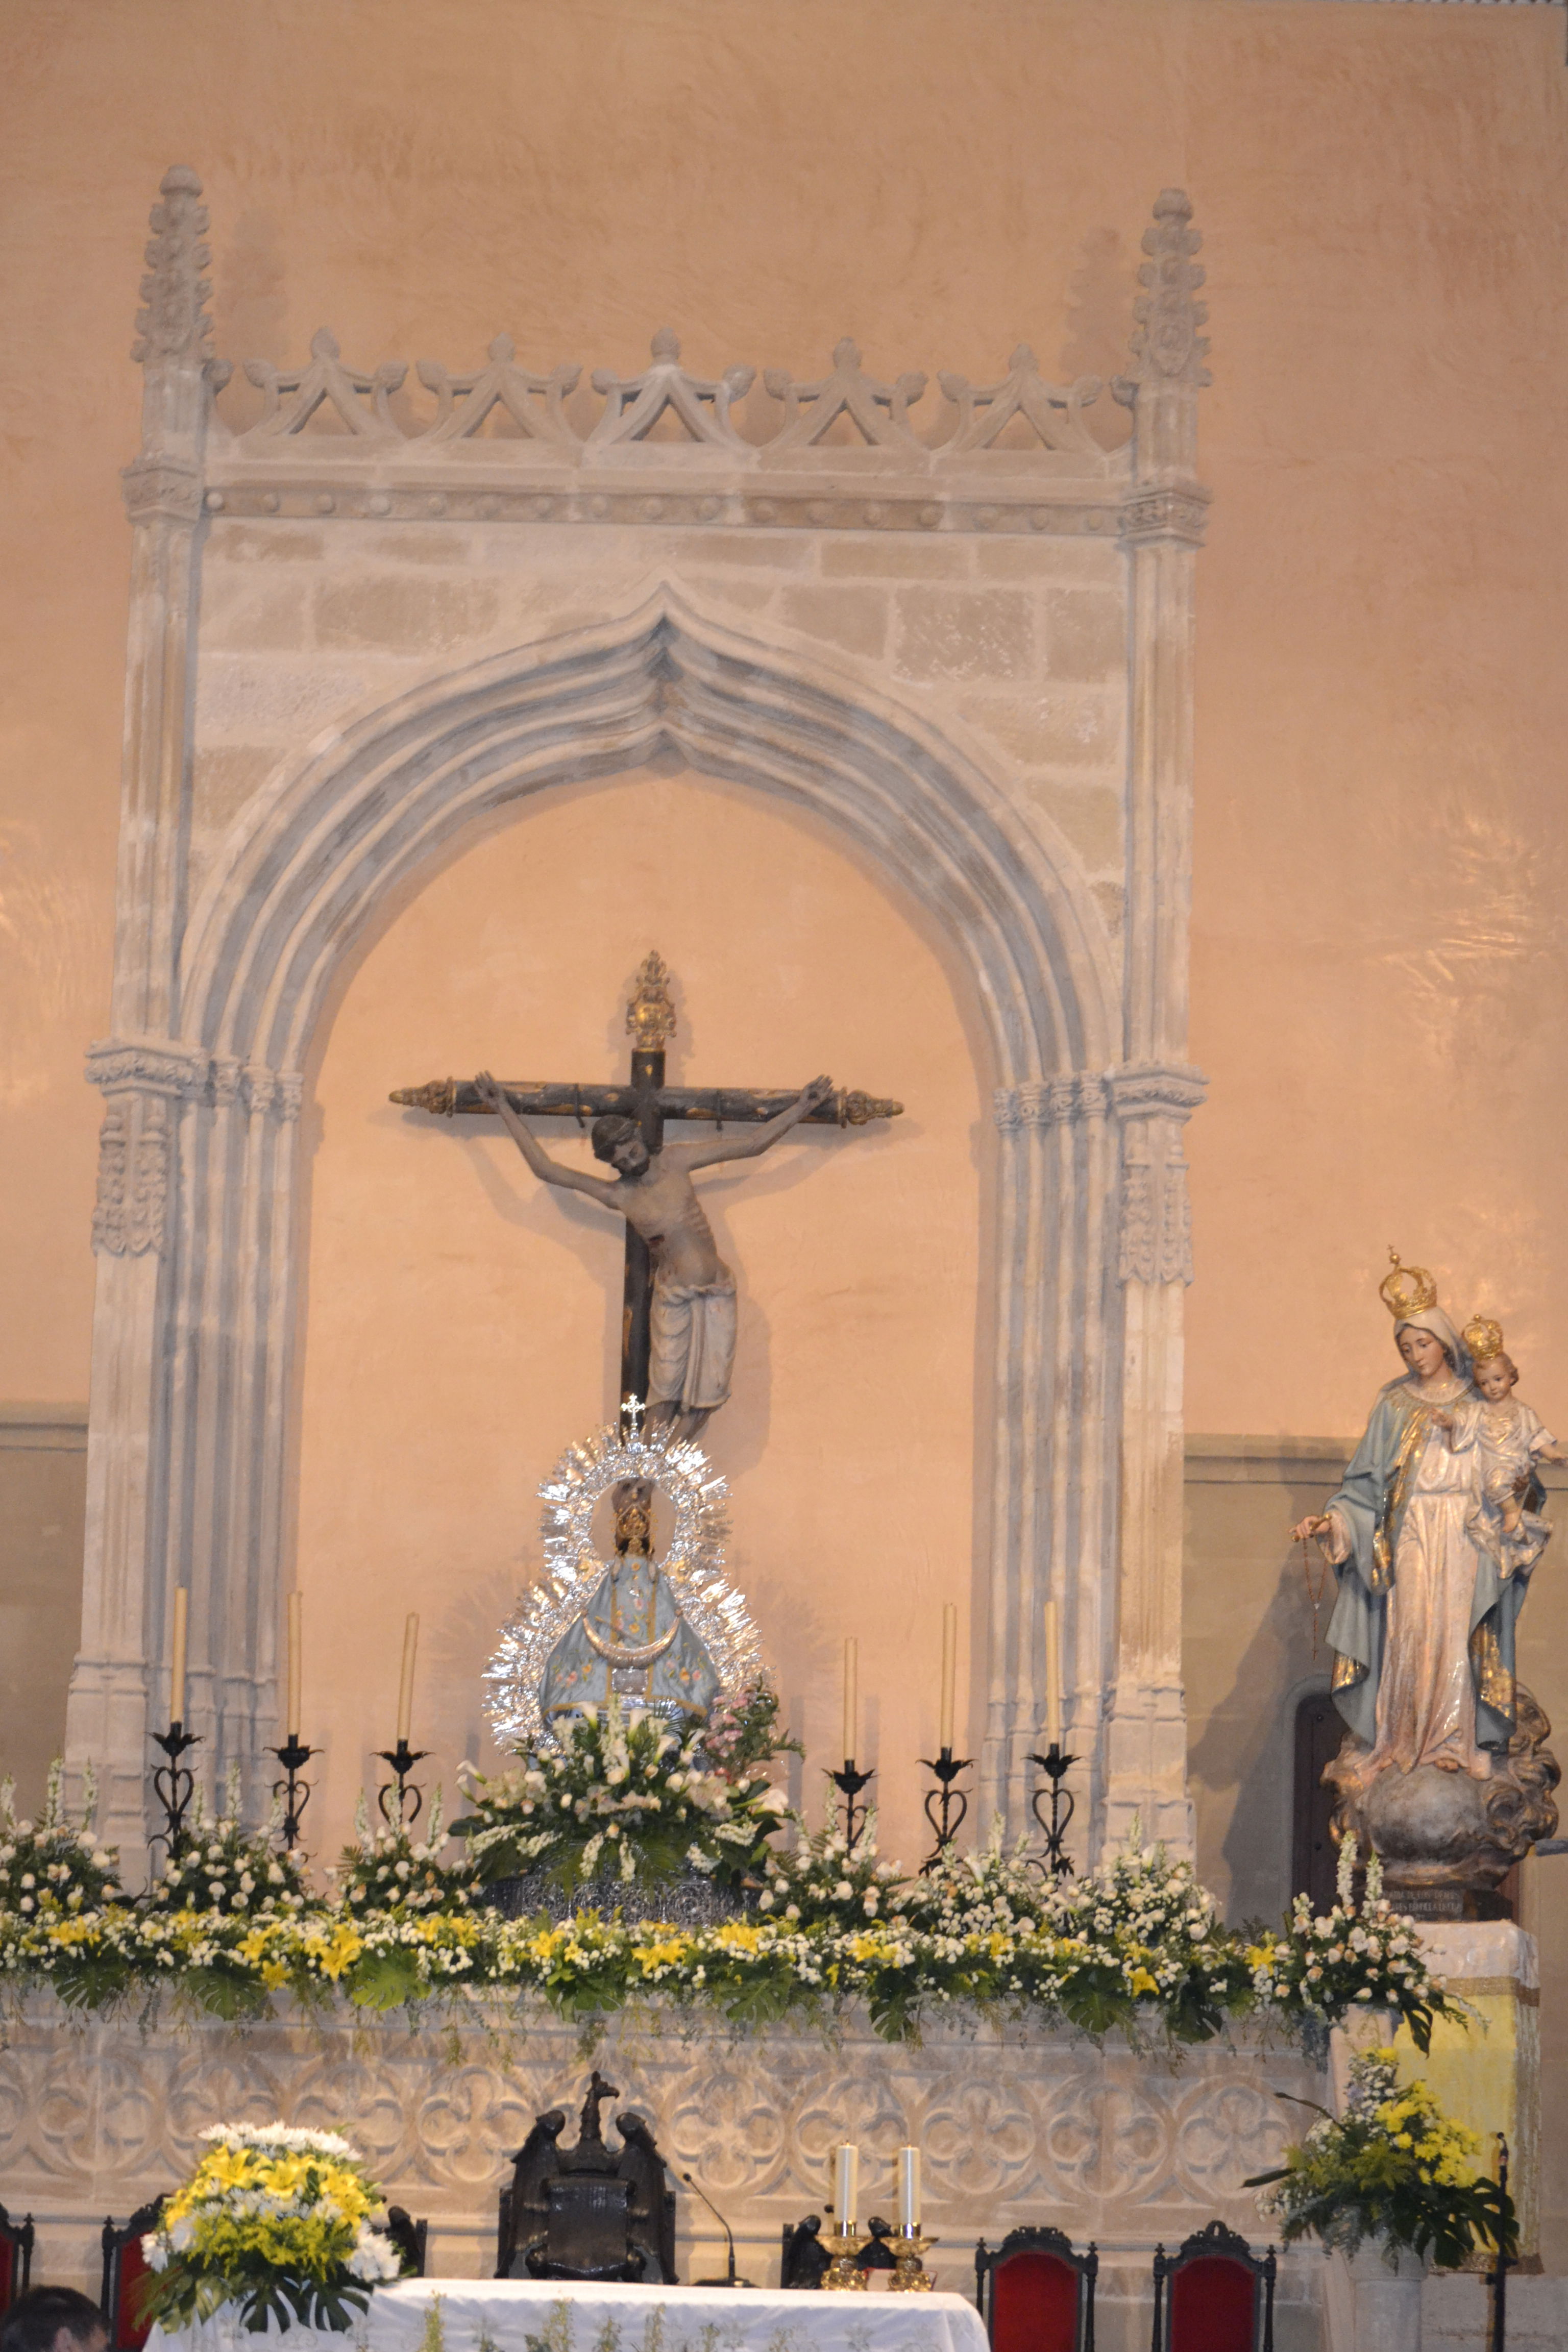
534 403
879 410
173 324
325 380
634 404
1165 342
1054 410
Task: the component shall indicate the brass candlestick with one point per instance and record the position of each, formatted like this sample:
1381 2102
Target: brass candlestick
843 2274
911 2275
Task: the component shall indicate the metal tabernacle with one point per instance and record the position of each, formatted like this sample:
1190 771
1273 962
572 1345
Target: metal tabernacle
295 1792
173 1786
1056 1765
409 1801
947 1767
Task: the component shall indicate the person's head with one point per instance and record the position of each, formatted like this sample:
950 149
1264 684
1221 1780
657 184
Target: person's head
1423 1350
54 2319
1495 1376
620 1141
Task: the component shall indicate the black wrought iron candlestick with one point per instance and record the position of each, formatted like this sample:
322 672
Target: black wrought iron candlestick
296 1793
849 1783
947 1767
1055 1764
402 1759
173 1785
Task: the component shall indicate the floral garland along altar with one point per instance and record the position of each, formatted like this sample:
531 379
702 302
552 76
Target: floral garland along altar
1136 1945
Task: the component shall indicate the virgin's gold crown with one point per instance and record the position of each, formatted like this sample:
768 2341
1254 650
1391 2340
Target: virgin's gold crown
1408 1290
1483 1338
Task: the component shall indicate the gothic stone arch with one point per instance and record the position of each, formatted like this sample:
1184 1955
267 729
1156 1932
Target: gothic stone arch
346 646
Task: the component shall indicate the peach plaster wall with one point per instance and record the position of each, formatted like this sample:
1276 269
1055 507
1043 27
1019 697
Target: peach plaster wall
1378 958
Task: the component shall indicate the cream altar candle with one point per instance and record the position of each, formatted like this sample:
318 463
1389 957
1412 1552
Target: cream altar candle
177 1663
405 1689
849 2186
949 1668
851 1709
909 2189
295 1666
1053 1677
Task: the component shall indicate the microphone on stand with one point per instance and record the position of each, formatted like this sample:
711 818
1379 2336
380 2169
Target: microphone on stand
730 2280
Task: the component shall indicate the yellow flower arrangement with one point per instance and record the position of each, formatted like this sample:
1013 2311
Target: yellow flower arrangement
273 2218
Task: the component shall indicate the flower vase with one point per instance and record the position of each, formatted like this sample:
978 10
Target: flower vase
1372 2305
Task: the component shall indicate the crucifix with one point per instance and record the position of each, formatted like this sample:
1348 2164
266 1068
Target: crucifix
677 1315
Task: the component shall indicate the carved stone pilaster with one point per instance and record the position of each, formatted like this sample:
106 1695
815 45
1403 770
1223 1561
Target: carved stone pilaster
1152 1102
142 1081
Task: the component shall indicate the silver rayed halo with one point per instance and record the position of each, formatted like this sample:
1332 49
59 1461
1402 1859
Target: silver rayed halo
694 1565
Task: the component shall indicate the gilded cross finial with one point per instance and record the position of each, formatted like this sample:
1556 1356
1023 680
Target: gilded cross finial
651 1013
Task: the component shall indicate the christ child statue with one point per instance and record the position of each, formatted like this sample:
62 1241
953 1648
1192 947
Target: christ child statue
1506 1439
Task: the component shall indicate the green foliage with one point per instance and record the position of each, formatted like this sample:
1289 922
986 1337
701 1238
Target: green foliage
221 1867
622 1794
55 1868
1353 1955
392 1871
1393 2169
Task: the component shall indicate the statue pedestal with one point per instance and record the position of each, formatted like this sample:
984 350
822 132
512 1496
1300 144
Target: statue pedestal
1487 2076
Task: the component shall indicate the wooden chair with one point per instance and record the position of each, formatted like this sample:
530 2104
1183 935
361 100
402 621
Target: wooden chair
1035 2294
1214 2295
409 2237
124 2268
16 2258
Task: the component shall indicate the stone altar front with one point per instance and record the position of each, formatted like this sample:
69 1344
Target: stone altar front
1014 2126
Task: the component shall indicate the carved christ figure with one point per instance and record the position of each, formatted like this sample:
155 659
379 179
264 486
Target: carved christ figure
693 1311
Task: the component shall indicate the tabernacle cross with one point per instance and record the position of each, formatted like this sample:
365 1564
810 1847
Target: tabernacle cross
677 1283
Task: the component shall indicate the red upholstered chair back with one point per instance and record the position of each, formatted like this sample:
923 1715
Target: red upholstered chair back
16 2258
1035 2292
1214 2294
1034 2305
129 2331
1214 2306
124 2269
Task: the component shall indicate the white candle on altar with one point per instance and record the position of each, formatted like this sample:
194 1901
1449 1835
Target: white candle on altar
848 2186
295 1666
1053 1677
949 1668
405 1689
909 2188
177 1663
851 1709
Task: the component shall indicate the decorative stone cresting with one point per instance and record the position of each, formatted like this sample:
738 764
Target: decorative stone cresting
956 642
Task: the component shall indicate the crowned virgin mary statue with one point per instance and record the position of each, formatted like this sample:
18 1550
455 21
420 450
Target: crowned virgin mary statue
1432 1536
631 1640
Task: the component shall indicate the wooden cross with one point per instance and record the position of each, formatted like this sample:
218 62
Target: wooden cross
650 1023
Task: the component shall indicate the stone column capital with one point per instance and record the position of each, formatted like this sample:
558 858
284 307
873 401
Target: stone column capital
1156 1090
150 1066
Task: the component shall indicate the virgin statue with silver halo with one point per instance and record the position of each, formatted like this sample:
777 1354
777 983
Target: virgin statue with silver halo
630 1642
669 1635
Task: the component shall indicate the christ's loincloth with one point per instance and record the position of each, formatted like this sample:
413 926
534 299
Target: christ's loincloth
692 1354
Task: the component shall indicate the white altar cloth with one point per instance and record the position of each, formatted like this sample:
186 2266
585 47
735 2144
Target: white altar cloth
516 2315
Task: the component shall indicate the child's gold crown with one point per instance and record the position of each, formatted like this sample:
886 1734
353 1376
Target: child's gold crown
1483 1338
1408 1290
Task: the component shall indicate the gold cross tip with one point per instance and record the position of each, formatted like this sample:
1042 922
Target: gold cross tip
650 1009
